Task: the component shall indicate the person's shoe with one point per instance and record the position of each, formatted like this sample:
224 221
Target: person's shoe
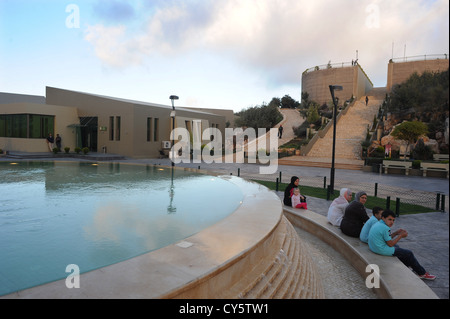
427 276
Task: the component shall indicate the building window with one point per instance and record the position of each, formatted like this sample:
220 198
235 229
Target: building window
118 128
149 129
111 128
156 131
26 125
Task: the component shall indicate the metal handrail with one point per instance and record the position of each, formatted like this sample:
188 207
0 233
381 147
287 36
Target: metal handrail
330 66
424 57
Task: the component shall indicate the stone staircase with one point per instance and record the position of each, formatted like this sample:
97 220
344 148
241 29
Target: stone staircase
291 275
351 129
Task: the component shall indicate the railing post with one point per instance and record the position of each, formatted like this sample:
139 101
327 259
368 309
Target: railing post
277 185
376 189
397 207
328 192
388 202
443 202
438 199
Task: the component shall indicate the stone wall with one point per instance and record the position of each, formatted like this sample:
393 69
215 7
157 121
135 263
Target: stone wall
400 72
352 78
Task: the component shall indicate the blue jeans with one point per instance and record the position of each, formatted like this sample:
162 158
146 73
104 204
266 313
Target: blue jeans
407 257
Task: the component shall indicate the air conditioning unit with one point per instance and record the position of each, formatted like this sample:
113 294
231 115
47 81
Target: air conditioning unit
166 144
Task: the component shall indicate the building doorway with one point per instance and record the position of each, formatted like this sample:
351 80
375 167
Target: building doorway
89 133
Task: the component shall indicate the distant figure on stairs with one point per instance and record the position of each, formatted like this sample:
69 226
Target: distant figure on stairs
280 131
367 100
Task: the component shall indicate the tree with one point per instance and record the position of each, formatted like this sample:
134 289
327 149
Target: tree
289 103
410 131
276 102
313 114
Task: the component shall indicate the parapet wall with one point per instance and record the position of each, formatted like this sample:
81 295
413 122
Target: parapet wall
352 78
399 72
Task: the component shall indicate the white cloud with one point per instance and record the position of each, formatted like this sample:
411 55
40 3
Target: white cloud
284 37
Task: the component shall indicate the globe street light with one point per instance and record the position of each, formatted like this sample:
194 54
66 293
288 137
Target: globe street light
332 89
172 115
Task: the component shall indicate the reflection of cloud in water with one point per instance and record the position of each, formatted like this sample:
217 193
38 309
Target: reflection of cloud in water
130 226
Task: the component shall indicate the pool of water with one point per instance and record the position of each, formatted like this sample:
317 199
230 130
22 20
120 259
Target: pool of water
93 215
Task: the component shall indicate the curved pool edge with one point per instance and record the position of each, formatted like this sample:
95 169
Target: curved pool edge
241 256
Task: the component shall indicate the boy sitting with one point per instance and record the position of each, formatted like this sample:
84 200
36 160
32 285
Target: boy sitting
381 242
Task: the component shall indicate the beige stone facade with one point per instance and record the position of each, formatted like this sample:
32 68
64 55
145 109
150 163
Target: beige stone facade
352 78
64 118
106 124
399 72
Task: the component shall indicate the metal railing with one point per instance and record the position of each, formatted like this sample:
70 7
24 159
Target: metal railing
425 57
330 66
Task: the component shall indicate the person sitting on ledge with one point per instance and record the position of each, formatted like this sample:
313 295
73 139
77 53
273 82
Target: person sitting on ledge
364 236
355 216
298 200
290 190
382 242
337 207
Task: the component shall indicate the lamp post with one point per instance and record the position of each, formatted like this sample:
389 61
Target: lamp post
172 115
332 89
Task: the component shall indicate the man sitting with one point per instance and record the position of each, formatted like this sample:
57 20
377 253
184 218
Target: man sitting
381 242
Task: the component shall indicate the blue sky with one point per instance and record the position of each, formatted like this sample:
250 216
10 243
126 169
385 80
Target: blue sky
229 54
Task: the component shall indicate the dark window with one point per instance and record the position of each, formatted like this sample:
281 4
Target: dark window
111 128
155 131
149 129
26 125
118 128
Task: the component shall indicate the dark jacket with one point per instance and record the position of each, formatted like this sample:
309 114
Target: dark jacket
288 192
355 216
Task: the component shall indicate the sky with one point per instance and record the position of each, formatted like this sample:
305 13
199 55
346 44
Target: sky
231 54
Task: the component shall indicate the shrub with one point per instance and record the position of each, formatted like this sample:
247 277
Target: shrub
85 150
67 149
77 150
422 151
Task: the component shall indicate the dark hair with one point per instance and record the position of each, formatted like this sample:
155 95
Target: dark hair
376 210
293 179
388 213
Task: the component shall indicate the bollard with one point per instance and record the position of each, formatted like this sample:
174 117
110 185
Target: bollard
388 202
280 177
438 199
239 172
277 185
443 202
324 182
397 207
328 192
376 189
